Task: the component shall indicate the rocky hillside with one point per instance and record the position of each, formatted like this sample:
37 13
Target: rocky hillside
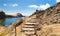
50 15
47 23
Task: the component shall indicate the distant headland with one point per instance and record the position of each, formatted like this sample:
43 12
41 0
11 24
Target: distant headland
3 15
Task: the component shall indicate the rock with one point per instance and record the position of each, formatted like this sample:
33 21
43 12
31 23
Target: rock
2 15
50 15
49 21
19 15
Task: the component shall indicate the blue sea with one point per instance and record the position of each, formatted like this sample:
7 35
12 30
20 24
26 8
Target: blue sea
9 21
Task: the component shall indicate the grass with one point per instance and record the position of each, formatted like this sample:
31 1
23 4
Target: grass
50 30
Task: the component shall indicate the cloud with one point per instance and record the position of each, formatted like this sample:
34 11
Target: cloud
11 5
33 6
4 4
57 1
41 7
14 5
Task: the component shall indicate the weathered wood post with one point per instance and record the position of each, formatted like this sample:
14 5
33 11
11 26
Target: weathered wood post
15 31
17 24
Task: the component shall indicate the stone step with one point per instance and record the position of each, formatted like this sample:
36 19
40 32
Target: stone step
29 32
28 29
30 23
30 26
33 20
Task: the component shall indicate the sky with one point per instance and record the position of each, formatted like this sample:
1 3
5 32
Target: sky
25 7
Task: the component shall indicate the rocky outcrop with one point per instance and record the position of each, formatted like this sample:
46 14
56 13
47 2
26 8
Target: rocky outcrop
2 15
49 21
50 15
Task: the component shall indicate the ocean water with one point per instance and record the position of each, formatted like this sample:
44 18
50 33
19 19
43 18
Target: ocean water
9 21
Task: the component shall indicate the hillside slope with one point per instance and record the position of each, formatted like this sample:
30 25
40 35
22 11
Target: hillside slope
50 15
48 23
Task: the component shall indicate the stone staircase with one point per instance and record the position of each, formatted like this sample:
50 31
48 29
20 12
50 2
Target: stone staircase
29 28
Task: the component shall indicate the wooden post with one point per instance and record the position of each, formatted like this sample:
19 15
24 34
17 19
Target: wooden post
15 31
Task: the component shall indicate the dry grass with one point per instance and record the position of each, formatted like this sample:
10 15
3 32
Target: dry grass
50 30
